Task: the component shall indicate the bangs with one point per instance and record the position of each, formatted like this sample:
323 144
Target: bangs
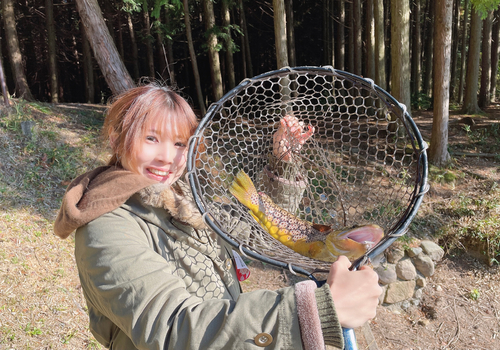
175 126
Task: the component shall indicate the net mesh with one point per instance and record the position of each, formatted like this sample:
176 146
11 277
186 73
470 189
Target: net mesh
359 167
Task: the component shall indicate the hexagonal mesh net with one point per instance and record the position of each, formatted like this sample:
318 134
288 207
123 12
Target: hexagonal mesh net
363 164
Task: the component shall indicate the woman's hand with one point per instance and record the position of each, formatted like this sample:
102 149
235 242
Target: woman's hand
355 293
290 137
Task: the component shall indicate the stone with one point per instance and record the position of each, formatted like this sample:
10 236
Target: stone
424 265
418 293
382 296
432 250
394 308
27 128
405 305
394 254
399 291
421 281
405 270
413 252
378 260
423 322
386 273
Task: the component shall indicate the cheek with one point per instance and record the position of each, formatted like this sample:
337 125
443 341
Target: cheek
181 158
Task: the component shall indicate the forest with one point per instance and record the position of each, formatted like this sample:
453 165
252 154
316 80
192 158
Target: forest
427 54
48 55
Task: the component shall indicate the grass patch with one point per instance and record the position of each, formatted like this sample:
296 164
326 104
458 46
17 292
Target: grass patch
474 223
42 148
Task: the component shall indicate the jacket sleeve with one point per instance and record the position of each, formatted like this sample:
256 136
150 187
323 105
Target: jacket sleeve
284 183
131 287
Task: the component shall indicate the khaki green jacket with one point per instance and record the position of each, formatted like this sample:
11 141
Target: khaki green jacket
152 282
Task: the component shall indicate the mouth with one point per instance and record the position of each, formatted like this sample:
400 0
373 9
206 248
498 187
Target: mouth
159 175
368 235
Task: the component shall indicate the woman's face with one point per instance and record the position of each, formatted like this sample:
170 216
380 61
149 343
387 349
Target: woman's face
158 156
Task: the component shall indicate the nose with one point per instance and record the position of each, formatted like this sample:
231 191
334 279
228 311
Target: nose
167 153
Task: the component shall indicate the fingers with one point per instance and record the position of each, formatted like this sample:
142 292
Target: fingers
342 261
295 128
290 136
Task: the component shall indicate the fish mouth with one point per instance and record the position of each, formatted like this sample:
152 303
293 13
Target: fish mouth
368 235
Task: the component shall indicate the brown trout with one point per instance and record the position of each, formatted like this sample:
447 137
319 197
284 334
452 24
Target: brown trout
314 241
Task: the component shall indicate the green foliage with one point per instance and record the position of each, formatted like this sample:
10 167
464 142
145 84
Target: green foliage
131 6
32 330
483 7
474 294
172 5
475 222
442 175
421 101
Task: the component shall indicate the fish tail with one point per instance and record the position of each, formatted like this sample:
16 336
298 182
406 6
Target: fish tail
244 190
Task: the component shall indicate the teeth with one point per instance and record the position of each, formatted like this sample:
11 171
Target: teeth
158 172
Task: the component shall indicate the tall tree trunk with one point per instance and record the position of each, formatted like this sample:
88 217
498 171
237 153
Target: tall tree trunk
52 52
470 105
135 51
245 40
357 35
105 51
416 50
109 14
327 34
242 42
370 40
463 51
15 57
280 33
340 37
88 68
148 39
454 46
160 49
3 83
349 44
495 47
290 33
119 42
438 152
484 92
213 54
228 43
400 51
428 45
380 76
170 51
192 55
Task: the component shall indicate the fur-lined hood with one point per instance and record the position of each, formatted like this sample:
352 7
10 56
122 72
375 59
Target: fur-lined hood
104 189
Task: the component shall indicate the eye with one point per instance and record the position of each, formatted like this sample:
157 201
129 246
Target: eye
151 138
180 144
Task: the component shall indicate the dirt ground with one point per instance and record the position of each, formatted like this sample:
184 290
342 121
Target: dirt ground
460 307
41 302
447 317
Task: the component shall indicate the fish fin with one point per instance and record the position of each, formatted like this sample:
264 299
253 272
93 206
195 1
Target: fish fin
322 228
243 189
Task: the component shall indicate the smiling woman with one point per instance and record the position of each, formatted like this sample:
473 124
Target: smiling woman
155 277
